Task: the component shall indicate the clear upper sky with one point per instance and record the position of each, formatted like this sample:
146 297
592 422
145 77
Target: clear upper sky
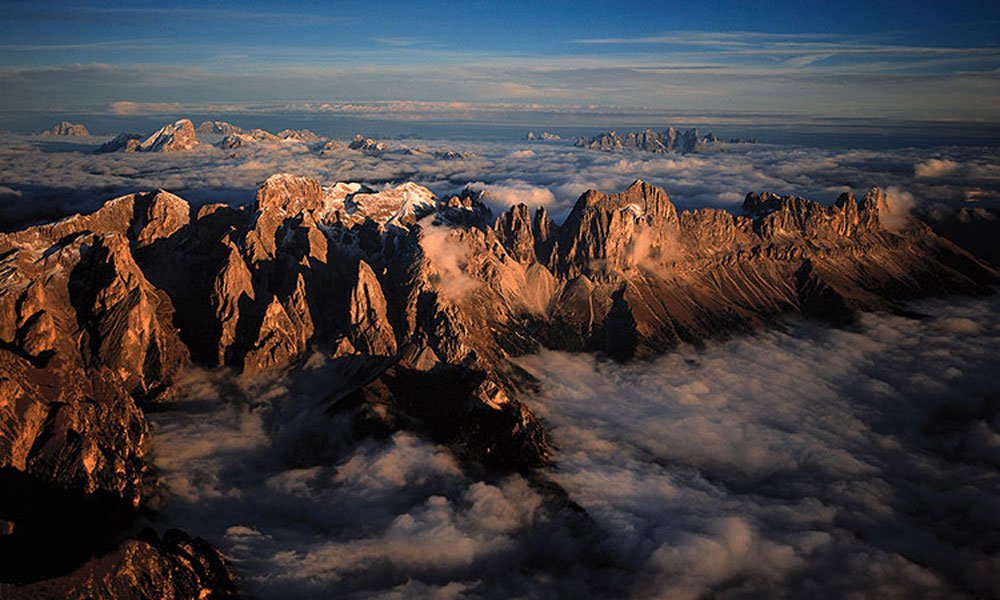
920 60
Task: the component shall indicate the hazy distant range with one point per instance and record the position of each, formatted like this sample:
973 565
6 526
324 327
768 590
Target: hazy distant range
823 132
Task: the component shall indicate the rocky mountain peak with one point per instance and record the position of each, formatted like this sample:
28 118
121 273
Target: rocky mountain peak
514 229
158 215
218 128
172 137
891 213
298 135
642 198
67 129
612 232
123 142
758 204
238 139
289 194
467 209
370 331
127 320
364 144
776 216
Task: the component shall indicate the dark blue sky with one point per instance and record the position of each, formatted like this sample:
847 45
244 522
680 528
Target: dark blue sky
934 60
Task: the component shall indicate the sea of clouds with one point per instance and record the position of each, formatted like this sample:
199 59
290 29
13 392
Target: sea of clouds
798 462
43 178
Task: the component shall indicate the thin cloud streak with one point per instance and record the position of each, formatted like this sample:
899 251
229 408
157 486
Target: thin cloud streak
154 13
768 43
120 44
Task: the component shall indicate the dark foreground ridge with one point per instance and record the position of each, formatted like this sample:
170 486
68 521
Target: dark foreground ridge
424 300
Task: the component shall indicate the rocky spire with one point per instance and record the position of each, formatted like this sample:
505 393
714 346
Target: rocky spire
368 323
514 228
277 340
232 294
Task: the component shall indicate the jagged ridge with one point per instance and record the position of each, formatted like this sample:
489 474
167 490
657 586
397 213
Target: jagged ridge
424 299
657 142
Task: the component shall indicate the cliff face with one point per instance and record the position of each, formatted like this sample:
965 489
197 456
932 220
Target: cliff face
426 299
85 339
84 336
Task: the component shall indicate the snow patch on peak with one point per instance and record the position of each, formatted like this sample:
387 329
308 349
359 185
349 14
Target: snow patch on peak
391 207
635 209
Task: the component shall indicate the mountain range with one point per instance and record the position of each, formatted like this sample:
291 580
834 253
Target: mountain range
182 135
422 302
656 142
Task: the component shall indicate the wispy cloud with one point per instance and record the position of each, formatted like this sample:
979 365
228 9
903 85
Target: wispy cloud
119 44
400 42
801 50
150 13
710 38
792 43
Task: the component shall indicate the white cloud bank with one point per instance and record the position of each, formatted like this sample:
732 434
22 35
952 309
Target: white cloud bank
501 196
804 463
895 212
935 168
56 178
813 463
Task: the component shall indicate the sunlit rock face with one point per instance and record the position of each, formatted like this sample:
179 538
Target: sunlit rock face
369 327
86 335
176 566
636 274
424 300
171 138
86 339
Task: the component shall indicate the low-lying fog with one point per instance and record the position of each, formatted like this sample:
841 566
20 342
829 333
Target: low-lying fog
807 462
